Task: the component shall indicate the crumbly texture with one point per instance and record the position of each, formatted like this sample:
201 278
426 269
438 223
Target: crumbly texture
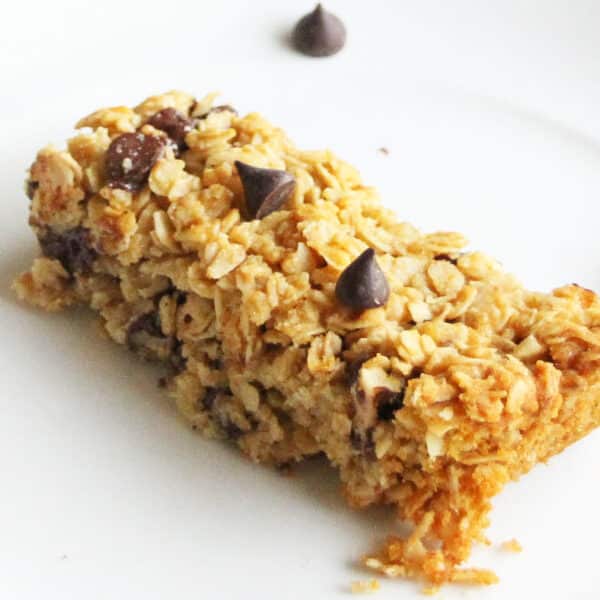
461 382
512 545
365 587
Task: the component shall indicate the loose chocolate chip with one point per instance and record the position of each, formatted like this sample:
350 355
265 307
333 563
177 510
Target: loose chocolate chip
30 188
363 284
72 248
319 33
265 190
129 159
218 109
175 124
388 402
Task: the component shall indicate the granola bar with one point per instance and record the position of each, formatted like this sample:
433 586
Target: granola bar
298 316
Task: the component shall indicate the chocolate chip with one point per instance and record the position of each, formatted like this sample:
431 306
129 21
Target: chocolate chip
215 363
175 124
363 284
187 319
446 257
72 248
231 430
218 109
388 402
210 395
265 190
30 188
353 368
129 159
319 33
363 442
148 323
177 361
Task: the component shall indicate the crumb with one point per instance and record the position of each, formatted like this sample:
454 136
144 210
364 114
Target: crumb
511 546
383 150
430 591
365 587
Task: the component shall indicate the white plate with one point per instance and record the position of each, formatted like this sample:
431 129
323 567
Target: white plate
491 116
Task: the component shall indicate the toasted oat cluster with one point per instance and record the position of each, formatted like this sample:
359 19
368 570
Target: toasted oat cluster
298 316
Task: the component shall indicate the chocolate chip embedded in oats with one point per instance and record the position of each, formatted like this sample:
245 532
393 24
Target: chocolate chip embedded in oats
362 442
30 188
363 284
145 337
388 402
129 159
265 190
218 109
210 395
72 248
148 323
231 430
353 368
177 361
175 124
319 33
446 257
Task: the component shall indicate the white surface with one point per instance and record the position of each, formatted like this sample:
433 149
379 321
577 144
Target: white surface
491 113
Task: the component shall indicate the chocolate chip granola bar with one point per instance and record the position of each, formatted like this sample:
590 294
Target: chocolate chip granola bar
298 316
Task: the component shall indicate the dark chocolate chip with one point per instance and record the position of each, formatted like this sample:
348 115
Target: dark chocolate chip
446 257
187 319
353 368
388 402
31 187
210 395
72 248
175 124
231 430
363 284
177 361
215 363
319 33
363 442
148 323
218 109
129 159
215 401
265 190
